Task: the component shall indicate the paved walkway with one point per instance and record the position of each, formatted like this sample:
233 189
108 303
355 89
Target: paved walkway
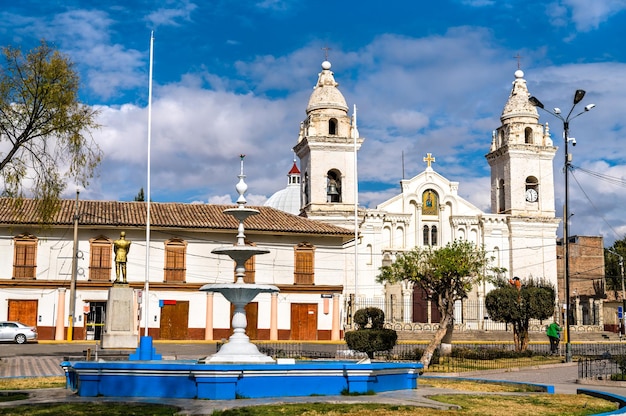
561 376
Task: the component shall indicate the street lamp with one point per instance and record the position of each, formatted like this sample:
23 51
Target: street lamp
578 96
621 266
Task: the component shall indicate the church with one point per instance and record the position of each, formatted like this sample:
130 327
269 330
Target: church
519 232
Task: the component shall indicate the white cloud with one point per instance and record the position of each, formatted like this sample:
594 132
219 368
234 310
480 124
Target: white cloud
172 15
586 15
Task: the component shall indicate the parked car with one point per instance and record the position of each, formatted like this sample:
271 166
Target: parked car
17 332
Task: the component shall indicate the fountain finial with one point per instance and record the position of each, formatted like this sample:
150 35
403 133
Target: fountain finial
241 186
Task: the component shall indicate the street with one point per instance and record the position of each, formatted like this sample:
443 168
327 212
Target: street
74 349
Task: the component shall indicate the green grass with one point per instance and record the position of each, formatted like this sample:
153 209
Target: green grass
90 409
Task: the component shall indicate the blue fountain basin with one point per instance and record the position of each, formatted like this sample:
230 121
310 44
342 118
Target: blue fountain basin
192 380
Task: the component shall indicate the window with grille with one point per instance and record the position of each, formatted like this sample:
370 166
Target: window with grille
304 272
175 264
100 258
25 257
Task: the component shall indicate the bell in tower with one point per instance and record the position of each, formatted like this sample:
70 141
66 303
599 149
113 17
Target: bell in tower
333 188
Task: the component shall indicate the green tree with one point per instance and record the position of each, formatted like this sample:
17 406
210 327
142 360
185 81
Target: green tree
44 130
612 266
518 304
446 274
140 197
370 335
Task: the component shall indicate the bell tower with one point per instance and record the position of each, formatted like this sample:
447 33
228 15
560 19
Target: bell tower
521 159
522 186
327 144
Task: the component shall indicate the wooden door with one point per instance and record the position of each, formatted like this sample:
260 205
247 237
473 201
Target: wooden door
252 317
24 311
175 320
420 307
304 321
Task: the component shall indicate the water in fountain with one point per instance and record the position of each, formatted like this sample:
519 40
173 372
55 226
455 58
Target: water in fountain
239 349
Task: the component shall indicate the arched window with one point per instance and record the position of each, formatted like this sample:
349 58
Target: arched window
25 257
307 196
532 189
332 127
100 256
501 196
175 260
304 264
426 236
528 135
433 235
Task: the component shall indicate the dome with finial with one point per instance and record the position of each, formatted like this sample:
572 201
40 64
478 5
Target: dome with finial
325 94
518 107
288 199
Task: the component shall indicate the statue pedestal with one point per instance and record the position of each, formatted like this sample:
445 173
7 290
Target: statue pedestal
120 330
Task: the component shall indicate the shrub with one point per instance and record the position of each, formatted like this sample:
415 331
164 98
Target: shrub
370 341
370 335
369 318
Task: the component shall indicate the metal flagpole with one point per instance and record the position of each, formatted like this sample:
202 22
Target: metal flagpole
356 212
146 287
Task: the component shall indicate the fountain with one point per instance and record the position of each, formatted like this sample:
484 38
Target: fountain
238 369
239 349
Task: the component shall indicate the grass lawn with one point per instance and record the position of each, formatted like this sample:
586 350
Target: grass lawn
489 399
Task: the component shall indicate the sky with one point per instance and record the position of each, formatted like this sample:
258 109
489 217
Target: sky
234 77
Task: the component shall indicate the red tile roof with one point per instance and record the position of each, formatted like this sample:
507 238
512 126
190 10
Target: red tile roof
165 215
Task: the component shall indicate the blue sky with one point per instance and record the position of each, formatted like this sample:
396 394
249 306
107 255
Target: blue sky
234 76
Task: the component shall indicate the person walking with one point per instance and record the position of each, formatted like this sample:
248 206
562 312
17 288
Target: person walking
553 332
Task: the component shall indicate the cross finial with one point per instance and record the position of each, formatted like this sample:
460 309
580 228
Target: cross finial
429 159
326 49
519 60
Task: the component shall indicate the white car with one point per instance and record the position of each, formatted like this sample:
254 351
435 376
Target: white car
17 332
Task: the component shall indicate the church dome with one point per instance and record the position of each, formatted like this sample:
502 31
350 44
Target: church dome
518 107
288 199
325 94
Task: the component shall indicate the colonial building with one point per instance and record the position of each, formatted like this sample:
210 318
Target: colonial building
306 262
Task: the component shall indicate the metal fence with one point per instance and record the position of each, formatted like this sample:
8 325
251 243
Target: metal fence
605 368
468 314
594 360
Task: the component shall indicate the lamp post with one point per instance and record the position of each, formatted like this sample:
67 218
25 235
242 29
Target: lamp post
578 96
621 267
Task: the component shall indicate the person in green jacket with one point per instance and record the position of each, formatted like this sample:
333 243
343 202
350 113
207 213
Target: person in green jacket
553 332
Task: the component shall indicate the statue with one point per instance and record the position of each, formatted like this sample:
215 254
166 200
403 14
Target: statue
121 248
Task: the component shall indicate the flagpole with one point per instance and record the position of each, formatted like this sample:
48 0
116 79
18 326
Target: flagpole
356 212
146 287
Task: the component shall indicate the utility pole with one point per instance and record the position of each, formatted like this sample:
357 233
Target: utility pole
70 328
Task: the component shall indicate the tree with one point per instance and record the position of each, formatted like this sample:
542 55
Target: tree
516 303
44 130
446 275
370 335
612 267
140 197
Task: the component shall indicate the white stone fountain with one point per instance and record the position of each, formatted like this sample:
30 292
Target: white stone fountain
239 349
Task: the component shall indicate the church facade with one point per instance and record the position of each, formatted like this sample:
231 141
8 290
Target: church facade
519 231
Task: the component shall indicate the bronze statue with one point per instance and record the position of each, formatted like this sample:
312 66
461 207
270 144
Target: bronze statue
121 248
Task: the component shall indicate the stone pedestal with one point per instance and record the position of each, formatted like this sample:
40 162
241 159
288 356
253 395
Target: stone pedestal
120 330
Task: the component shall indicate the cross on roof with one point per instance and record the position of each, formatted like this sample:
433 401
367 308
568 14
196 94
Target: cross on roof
326 49
429 159
519 60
